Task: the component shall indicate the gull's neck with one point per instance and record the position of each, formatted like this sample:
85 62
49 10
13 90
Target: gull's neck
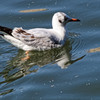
60 33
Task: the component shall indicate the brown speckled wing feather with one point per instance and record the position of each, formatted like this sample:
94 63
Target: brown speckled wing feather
21 34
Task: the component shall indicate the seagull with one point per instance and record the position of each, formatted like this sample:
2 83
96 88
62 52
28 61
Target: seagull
39 38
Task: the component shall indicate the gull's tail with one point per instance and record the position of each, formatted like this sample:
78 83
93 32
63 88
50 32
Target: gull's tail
6 30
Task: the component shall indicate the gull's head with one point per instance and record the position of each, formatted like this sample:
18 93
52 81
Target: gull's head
60 19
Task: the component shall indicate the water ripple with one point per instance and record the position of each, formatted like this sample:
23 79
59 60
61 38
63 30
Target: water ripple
77 45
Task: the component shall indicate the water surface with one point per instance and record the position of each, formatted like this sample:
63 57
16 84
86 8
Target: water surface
67 73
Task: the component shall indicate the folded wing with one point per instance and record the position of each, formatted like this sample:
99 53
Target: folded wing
30 40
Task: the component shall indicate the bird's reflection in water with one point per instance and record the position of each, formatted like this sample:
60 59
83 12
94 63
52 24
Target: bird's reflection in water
17 68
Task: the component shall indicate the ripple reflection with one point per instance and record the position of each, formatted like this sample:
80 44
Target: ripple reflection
17 68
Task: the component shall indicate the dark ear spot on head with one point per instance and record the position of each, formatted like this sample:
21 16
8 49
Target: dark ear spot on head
60 21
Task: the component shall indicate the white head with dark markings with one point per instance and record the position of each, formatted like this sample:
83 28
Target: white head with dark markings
60 19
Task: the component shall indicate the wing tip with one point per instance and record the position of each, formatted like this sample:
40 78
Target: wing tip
6 30
2 35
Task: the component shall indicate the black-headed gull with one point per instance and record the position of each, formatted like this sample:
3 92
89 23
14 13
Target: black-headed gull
39 38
